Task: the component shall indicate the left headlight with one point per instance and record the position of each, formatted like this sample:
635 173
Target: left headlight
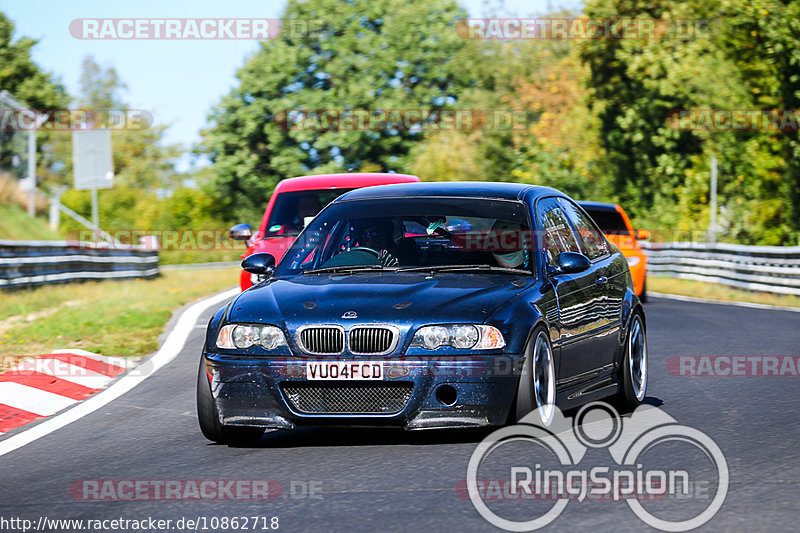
233 336
461 336
632 261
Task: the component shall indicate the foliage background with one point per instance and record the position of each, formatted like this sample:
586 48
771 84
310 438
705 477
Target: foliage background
596 115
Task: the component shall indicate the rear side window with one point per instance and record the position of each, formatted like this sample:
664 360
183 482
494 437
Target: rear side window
558 236
593 243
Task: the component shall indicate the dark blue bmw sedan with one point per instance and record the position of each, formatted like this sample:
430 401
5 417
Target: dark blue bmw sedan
427 305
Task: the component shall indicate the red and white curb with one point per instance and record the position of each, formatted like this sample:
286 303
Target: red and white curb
42 386
169 350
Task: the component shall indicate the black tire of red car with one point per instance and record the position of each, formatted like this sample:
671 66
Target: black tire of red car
208 417
632 390
537 370
643 296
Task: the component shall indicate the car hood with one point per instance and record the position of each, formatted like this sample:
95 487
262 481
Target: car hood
377 297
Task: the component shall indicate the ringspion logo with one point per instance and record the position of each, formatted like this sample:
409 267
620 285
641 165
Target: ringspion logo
534 485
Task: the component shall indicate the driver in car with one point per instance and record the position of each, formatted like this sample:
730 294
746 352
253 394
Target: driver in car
377 235
307 206
511 250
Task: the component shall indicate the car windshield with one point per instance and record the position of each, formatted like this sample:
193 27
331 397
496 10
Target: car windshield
406 234
293 209
609 220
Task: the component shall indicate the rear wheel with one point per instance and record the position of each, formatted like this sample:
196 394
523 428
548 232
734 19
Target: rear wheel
633 372
536 391
208 417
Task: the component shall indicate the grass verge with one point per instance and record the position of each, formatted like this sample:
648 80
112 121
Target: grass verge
715 291
16 225
119 318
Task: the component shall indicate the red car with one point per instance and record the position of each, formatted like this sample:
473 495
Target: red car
294 203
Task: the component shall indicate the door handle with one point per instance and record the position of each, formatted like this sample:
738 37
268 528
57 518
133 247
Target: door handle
602 280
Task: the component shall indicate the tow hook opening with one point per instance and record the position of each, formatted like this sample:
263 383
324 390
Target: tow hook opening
446 395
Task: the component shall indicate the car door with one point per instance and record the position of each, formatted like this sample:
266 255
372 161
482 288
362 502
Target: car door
573 291
605 292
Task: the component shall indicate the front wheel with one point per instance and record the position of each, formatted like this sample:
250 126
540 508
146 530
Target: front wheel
537 383
633 372
208 416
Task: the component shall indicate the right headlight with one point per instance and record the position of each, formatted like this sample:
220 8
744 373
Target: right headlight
632 261
241 336
461 336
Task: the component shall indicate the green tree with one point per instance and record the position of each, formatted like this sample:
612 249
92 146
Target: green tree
21 76
747 58
32 86
364 54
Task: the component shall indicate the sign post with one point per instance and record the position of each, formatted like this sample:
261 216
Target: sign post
712 225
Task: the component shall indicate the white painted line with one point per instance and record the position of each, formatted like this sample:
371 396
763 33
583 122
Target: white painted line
66 371
31 399
168 351
722 302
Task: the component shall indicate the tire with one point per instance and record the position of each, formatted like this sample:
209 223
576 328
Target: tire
536 390
643 296
208 417
633 371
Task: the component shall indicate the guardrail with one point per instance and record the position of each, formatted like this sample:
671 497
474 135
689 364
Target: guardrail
27 263
773 269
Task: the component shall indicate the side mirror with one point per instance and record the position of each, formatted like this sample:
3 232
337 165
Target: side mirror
642 234
241 232
571 263
260 264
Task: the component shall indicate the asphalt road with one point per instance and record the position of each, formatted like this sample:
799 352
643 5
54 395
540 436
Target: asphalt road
387 480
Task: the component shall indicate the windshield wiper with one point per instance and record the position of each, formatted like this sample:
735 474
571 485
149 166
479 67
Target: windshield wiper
462 268
348 269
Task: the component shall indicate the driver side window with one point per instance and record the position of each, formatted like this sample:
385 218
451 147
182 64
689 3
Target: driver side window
558 236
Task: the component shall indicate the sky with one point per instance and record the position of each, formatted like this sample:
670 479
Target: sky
177 81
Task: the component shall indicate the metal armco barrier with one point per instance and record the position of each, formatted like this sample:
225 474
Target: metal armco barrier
773 269
27 263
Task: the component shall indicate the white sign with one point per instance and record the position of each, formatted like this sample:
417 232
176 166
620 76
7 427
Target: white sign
91 159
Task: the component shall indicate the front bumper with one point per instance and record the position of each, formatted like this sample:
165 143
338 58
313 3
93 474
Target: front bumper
248 391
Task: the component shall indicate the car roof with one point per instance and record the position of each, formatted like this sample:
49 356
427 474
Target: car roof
599 205
478 189
342 181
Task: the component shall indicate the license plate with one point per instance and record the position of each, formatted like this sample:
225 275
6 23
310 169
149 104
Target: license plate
344 370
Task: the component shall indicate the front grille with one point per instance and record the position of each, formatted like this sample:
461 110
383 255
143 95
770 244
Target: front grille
322 340
348 398
371 340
